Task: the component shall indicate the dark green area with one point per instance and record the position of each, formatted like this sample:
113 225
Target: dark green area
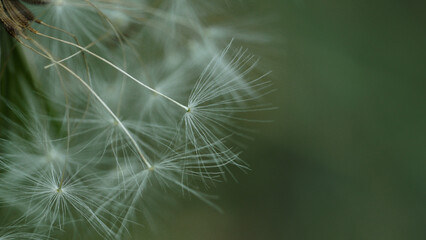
11 81
345 157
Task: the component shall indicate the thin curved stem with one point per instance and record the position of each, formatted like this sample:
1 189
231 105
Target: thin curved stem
87 86
115 67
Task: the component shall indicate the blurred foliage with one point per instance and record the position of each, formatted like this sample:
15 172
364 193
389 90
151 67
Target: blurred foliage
345 155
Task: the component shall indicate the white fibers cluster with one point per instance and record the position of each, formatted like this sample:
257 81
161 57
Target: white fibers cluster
126 103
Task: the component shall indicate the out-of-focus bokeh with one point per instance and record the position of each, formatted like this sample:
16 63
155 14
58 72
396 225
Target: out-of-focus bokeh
345 157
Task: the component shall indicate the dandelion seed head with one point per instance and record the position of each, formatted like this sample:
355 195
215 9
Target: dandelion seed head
129 104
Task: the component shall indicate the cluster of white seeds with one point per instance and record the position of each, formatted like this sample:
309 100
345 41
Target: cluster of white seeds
129 101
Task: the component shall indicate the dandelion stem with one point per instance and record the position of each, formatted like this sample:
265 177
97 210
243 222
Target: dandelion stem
114 66
119 122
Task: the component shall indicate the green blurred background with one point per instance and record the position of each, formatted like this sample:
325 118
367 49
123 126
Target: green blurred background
345 157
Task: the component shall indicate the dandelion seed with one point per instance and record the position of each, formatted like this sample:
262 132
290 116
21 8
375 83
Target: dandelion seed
221 92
